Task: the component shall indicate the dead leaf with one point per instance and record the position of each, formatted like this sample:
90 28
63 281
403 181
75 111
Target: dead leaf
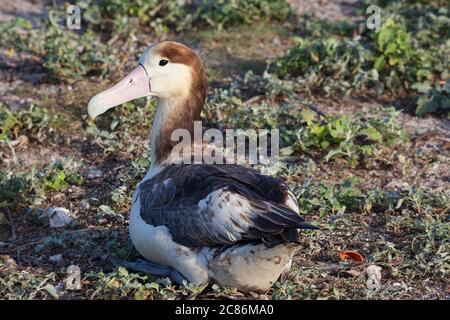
21 141
351 255
52 291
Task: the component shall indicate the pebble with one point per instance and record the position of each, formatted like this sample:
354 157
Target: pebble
59 217
107 210
373 276
94 173
73 279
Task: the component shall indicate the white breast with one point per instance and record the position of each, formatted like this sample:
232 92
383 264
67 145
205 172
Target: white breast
156 245
247 267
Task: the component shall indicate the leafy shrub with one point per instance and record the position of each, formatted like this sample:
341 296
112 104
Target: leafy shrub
328 199
12 188
70 56
331 64
12 34
58 176
435 99
223 13
34 122
340 135
33 186
163 16
411 48
26 286
157 14
394 45
65 55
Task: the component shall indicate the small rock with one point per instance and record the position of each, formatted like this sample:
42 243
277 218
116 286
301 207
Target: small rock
59 217
107 210
373 277
3 244
73 279
94 173
55 258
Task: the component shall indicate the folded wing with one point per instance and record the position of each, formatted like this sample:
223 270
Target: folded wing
212 205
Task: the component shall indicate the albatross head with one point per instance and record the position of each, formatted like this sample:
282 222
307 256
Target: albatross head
167 70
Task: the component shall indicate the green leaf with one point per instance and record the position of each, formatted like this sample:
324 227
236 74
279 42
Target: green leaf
52 290
308 115
437 103
287 151
421 87
371 133
332 153
23 23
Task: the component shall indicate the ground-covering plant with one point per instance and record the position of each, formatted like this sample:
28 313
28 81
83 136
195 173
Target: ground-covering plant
64 54
434 99
122 284
330 64
32 187
164 16
403 53
35 122
341 136
26 286
302 130
69 56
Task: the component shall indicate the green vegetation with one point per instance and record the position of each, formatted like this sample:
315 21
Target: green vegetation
33 187
163 16
404 54
69 56
350 138
364 145
302 130
34 122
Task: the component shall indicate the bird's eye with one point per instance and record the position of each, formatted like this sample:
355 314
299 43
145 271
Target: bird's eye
163 62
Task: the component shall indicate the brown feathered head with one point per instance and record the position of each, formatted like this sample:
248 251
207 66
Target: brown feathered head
167 70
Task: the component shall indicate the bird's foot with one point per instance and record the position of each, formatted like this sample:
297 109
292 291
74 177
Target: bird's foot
151 268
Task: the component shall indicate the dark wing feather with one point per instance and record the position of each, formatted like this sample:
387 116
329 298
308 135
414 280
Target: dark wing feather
180 198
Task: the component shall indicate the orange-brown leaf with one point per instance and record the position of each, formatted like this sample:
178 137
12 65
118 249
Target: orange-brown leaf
351 255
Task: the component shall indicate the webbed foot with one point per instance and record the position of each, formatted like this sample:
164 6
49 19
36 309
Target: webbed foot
151 268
